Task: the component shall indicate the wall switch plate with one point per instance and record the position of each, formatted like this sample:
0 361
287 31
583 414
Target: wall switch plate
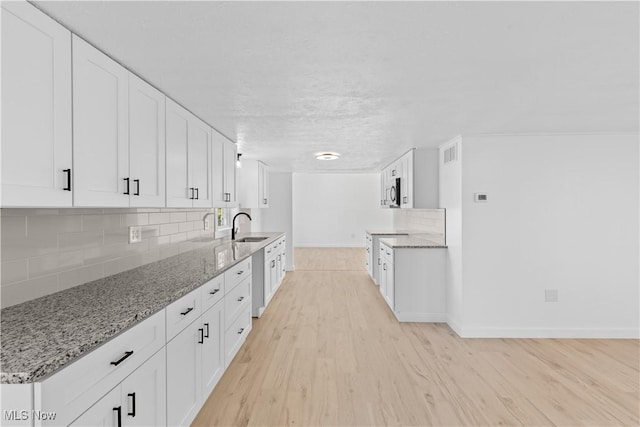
206 224
135 234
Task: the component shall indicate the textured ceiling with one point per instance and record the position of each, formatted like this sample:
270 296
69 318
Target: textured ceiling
373 79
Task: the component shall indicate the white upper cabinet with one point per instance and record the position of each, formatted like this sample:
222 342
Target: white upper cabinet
254 184
100 129
418 173
189 156
224 183
230 172
36 109
146 144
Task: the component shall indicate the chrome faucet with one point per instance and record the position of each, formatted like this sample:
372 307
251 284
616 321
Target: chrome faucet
234 230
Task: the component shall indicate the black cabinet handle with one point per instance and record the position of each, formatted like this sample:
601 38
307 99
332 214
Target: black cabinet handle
264 201
137 181
273 263
393 172
405 200
191 193
119 361
133 405
127 181
197 193
68 172
184 313
119 412
213 292
201 340
384 267
206 335
240 331
378 261
240 272
240 299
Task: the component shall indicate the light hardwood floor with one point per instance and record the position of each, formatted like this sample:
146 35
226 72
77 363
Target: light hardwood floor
328 351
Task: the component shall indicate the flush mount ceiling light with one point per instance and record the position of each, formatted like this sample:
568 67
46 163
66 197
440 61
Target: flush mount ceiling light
327 155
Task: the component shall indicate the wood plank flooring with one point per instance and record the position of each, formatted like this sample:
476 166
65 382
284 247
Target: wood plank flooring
328 352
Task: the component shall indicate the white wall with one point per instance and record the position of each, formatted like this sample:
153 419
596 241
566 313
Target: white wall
279 215
562 213
334 210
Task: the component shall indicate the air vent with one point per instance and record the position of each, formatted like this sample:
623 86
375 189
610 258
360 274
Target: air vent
451 154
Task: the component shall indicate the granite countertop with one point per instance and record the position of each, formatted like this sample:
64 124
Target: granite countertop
387 232
41 336
416 240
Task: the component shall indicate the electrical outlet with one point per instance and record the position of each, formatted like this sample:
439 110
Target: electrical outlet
135 234
550 295
206 224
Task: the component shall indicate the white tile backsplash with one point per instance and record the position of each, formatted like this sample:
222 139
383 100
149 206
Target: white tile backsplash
48 250
420 220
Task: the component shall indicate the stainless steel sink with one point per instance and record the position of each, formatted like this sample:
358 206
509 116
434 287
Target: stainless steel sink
251 239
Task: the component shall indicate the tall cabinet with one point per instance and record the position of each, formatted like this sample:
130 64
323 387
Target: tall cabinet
36 109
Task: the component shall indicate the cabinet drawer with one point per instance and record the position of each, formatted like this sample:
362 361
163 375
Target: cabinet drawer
212 292
237 274
236 299
182 312
237 333
75 388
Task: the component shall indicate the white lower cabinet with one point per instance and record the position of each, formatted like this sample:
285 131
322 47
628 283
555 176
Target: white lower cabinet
412 282
138 401
212 348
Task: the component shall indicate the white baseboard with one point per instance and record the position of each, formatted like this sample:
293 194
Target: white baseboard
476 332
421 317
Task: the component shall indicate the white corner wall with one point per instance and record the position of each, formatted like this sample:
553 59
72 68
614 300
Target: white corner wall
334 210
279 215
562 213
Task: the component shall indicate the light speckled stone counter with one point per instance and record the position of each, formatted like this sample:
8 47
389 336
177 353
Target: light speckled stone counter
415 241
41 336
387 232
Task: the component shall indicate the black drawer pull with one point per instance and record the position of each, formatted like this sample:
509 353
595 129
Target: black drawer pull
206 334
240 272
240 299
137 181
191 190
197 193
133 405
189 310
240 331
213 292
201 340
68 172
119 412
127 180
119 361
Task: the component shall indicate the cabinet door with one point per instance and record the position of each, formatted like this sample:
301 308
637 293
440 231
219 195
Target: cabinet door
382 277
146 144
390 285
100 128
267 279
144 397
217 169
407 180
106 412
200 162
263 185
213 348
230 178
36 108
184 382
177 173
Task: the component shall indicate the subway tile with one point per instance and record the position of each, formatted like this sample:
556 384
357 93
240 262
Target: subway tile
37 225
119 265
119 235
17 293
20 248
13 227
178 216
134 219
195 234
77 241
166 229
104 253
14 271
169 251
159 218
55 263
79 211
196 215
149 231
159 241
199 225
185 226
178 237
79 276
100 222
28 211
